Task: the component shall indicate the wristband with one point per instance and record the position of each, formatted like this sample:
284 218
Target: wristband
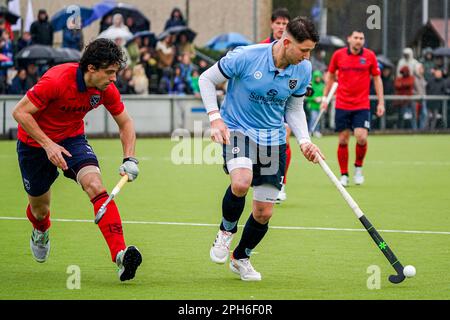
132 159
214 116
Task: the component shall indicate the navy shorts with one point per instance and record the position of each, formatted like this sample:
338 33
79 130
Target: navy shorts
351 119
269 162
38 173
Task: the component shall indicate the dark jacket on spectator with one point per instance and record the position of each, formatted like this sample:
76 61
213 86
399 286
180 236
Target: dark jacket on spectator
19 86
174 21
42 31
72 39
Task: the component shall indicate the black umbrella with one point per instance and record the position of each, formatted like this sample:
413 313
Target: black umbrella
178 30
385 61
331 41
140 21
8 15
36 52
62 55
442 52
144 34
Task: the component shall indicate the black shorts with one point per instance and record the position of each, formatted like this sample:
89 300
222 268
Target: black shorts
268 162
351 119
38 173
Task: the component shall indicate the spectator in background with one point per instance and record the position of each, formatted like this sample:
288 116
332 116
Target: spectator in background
117 29
176 19
436 86
420 88
120 42
41 30
133 48
202 66
6 26
404 85
106 23
407 60
165 82
184 46
24 41
32 74
428 63
124 81
139 80
165 53
178 82
129 22
20 83
314 101
72 37
149 63
186 68
194 83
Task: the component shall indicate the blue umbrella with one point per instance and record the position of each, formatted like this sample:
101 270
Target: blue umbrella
227 41
99 10
59 19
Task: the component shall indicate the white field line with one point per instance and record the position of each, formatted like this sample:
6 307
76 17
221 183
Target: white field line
216 225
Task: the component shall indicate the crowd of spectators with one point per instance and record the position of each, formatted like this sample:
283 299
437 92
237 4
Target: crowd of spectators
169 65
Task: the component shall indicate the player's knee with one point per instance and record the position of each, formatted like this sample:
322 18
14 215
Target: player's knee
93 186
262 214
40 211
240 187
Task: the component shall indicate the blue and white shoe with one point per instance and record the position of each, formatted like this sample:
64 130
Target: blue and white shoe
40 245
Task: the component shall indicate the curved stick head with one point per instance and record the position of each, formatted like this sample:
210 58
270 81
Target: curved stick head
397 278
100 214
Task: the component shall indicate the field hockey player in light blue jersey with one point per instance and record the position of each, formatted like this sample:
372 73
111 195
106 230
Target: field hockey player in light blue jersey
266 84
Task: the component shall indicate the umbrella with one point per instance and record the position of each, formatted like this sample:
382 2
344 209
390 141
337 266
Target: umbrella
442 51
331 41
99 10
140 21
144 34
385 61
59 19
62 55
36 52
177 30
8 15
114 33
227 41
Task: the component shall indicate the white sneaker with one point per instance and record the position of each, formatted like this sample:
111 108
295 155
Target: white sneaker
40 245
358 178
244 268
344 180
221 247
282 196
128 261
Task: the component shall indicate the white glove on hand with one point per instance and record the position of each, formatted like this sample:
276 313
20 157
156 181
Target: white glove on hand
130 167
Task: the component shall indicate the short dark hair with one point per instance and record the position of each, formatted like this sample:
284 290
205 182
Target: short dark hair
280 13
301 28
355 30
102 53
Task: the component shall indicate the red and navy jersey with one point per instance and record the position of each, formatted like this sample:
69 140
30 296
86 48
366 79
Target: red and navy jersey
268 39
64 100
354 72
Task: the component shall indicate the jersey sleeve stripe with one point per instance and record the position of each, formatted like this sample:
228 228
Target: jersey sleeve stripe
221 70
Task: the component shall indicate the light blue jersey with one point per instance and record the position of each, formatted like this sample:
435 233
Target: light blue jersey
257 92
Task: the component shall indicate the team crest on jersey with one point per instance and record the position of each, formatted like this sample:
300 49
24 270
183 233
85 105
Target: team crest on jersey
95 99
292 83
362 60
